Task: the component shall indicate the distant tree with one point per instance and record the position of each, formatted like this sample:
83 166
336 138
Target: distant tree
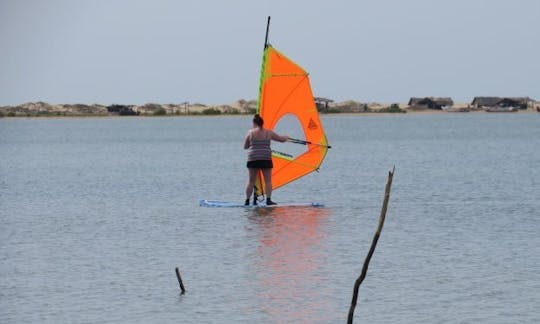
160 112
393 108
211 111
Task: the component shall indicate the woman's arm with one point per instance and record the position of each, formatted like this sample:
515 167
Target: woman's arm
247 141
279 138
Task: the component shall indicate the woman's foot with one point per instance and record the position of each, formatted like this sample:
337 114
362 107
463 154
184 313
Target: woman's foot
269 202
246 203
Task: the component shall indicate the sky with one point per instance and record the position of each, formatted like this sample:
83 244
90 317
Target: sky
209 51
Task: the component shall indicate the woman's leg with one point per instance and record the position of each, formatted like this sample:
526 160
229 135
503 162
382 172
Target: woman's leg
252 175
267 173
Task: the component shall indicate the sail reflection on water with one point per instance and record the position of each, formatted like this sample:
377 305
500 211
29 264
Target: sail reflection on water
288 261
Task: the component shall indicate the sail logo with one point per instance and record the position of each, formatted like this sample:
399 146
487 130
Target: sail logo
312 125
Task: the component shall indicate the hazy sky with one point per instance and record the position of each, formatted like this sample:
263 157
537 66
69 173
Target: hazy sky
135 51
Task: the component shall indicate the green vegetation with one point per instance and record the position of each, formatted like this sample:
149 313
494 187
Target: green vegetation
233 111
393 108
211 111
331 111
160 112
48 114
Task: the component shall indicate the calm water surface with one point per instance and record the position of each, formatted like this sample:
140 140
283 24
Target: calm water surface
96 214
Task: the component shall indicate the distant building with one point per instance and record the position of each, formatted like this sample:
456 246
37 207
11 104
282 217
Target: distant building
479 102
507 102
121 110
430 102
322 103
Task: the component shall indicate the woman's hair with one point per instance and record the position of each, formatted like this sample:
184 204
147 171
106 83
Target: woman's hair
257 120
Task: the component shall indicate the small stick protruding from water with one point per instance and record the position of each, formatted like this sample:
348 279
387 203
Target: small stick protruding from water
183 290
373 245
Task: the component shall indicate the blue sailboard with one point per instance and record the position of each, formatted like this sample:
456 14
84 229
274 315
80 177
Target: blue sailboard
227 204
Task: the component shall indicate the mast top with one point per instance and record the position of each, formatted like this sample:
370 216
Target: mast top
267 30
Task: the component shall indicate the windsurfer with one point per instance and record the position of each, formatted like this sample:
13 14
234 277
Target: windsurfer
257 142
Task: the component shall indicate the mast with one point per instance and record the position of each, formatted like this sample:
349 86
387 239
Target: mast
261 80
267 29
258 189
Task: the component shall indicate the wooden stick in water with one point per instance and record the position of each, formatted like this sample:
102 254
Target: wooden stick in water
373 245
183 290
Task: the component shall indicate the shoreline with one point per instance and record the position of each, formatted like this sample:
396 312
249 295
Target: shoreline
225 115
241 107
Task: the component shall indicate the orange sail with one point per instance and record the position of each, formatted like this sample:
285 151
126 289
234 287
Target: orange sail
285 89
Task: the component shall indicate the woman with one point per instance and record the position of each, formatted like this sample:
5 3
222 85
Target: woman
257 142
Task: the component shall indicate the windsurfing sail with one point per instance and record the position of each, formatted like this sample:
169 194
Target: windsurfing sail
285 90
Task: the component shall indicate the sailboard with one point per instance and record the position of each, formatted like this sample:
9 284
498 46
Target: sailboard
285 90
217 203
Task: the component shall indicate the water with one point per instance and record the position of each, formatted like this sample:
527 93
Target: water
97 213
